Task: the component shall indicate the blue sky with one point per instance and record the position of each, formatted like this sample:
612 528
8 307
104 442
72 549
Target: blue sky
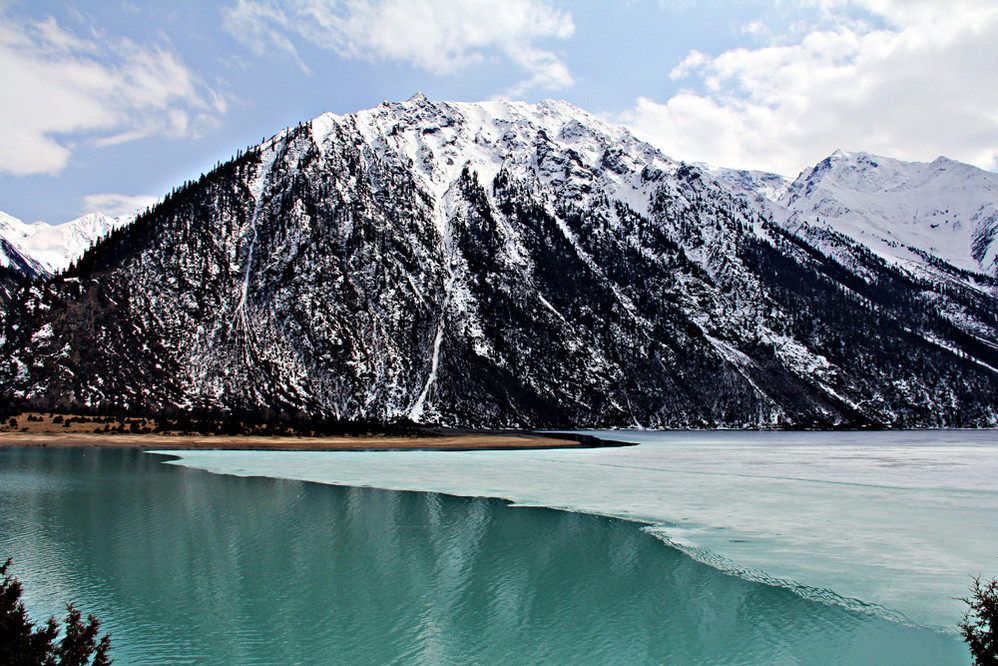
110 103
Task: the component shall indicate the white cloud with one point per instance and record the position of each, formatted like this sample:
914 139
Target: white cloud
114 205
923 82
439 36
62 88
261 27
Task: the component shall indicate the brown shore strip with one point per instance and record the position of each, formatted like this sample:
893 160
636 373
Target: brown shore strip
444 441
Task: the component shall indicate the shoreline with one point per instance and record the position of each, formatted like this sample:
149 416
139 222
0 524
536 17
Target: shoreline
707 555
445 441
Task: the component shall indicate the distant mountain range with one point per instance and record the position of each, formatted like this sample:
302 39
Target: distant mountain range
910 213
505 264
43 250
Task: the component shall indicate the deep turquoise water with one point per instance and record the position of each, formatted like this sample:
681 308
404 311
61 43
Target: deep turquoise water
185 566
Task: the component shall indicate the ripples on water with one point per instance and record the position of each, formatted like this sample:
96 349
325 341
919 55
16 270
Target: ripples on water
189 567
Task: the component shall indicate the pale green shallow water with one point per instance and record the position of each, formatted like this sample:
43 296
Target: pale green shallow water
190 567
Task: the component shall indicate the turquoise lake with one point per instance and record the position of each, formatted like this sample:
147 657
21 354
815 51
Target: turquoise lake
189 567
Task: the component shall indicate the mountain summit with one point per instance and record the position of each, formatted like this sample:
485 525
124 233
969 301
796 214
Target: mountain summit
904 209
497 264
912 214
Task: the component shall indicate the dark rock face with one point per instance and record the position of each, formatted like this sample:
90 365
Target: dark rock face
10 280
495 265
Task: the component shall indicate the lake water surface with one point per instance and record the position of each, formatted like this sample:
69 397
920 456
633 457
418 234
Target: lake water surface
185 566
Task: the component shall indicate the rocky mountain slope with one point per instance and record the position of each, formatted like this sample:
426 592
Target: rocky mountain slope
496 264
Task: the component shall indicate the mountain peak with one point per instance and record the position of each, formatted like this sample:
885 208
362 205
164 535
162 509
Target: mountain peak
903 210
856 157
442 138
501 264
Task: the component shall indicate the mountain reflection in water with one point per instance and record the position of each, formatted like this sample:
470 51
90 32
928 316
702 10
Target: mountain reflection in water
183 566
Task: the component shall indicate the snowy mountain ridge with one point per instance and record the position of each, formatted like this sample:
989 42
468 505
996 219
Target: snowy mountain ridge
944 208
489 137
50 249
901 210
497 264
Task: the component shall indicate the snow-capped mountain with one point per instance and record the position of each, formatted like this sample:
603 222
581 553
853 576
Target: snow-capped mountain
12 257
903 210
910 213
40 249
763 190
496 264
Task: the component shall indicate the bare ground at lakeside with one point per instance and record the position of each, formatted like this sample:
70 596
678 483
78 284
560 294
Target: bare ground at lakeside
40 429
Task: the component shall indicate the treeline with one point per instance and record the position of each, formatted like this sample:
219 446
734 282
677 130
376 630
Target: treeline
265 422
866 325
122 241
272 423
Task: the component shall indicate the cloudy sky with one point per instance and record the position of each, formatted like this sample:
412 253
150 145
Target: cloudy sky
110 103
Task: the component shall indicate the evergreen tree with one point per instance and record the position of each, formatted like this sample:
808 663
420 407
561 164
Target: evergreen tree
980 623
24 644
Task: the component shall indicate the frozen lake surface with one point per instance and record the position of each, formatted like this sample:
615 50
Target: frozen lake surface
893 523
187 567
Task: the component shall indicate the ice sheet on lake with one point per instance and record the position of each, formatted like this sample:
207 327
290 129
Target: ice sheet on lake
900 520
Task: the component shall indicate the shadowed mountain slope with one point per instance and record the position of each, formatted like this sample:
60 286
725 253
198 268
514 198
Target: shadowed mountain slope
495 264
